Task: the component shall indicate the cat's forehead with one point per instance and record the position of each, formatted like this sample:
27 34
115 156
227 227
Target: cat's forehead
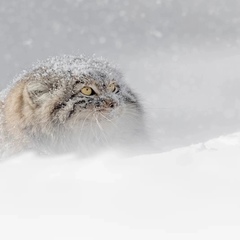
86 70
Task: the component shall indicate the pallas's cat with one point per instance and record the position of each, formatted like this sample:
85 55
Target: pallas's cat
70 103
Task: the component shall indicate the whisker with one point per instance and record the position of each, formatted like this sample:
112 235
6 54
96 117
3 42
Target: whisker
109 120
84 122
101 130
94 132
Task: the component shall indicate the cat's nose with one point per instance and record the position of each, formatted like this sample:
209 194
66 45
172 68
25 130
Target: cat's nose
109 103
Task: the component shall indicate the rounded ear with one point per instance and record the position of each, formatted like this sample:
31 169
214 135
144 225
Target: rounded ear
38 92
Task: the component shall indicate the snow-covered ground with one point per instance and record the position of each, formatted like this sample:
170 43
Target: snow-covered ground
187 193
182 57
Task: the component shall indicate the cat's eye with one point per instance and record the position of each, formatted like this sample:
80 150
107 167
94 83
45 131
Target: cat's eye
87 91
113 88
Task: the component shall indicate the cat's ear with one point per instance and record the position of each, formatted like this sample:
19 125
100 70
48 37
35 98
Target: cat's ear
37 92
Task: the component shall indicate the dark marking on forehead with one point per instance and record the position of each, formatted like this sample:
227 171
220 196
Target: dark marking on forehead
76 78
102 75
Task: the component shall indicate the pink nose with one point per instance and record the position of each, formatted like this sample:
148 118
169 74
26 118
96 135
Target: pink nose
111 104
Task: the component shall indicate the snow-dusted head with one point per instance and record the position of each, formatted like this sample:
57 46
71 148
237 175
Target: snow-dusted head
68 101
69 90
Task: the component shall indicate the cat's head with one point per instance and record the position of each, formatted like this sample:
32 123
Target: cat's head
71 91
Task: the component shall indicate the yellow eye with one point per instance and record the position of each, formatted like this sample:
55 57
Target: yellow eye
87 91
112 87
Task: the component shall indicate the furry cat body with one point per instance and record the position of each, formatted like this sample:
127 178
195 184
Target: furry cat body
48 108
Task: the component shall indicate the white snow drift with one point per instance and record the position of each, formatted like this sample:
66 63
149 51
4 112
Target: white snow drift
190 192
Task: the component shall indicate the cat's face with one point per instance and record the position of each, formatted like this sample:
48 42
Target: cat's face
69 100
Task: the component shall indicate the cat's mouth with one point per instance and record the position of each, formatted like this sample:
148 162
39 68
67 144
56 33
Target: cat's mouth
103 110
94 111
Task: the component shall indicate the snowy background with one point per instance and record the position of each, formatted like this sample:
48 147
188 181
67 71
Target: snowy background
183 58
